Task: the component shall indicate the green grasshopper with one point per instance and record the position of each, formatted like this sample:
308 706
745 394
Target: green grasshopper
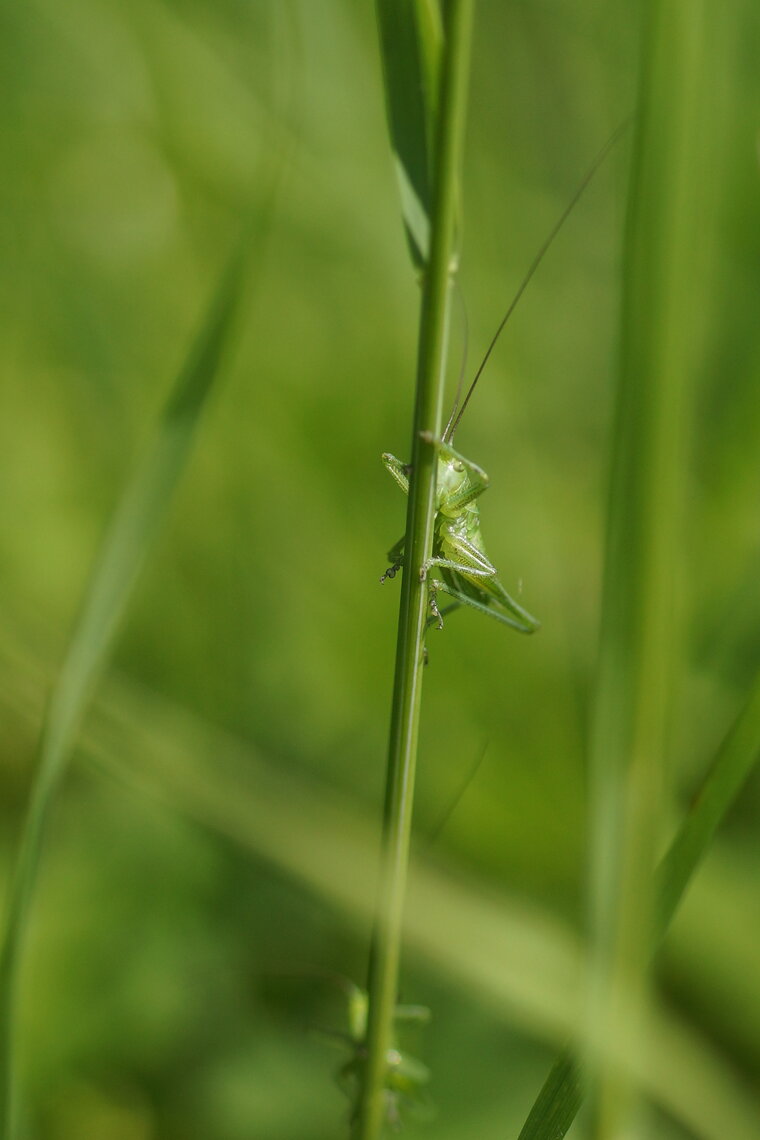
466 573
405 1077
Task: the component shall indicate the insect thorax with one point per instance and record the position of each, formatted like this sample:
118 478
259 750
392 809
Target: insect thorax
452 478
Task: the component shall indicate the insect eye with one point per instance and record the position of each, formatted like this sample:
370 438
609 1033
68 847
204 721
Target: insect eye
458 466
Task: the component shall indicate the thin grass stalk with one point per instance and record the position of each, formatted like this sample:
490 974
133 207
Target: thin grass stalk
385 949
134 526
639 617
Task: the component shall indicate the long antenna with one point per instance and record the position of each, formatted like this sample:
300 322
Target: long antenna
451 427
463 365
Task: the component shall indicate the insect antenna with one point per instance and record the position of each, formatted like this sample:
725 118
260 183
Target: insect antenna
463 365
456 415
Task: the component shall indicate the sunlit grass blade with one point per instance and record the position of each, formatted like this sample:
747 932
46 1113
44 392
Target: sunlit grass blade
410 40
132 530
560 1097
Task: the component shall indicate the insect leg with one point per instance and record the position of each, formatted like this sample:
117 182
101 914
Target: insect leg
461 568
400 471
437 616
396 559
510 604
490 583
474 561
522 621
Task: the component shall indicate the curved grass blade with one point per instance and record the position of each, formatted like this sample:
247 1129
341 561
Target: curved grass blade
732 765
411 42
560 1098
133 528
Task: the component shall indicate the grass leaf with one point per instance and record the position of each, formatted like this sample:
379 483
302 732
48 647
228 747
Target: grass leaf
560 1097
411 42
133 528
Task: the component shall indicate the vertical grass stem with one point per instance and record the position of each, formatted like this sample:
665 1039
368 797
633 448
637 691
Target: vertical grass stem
397 818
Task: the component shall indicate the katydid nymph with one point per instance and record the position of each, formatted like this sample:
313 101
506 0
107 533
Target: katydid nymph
406 1077
461 567
467 575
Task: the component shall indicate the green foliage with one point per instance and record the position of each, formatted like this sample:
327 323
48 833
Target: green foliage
411 42
133 530
243 721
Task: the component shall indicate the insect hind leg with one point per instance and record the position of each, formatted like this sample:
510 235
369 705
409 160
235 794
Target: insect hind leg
528 625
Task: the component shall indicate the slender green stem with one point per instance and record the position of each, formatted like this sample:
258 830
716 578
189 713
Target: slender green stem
397 820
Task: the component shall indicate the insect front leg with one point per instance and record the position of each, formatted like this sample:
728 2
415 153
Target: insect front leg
396 559
400 471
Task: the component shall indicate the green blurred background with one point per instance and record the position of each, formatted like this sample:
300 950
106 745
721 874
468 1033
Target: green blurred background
174 983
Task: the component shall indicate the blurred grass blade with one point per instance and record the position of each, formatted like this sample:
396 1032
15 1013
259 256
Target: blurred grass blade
525 964
685 51
560 1098
411 43
662 303
133 528
733 763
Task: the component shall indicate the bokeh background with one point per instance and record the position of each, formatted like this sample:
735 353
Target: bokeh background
177 977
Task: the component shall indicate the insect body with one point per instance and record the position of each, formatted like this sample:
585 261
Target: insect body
466 573
405 1076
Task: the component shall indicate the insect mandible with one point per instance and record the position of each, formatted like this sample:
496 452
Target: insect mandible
461 568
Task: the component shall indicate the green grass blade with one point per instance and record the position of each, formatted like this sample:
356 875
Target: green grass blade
557 1104
411 41
385 950
132 530
735 759
639 629
560 1097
